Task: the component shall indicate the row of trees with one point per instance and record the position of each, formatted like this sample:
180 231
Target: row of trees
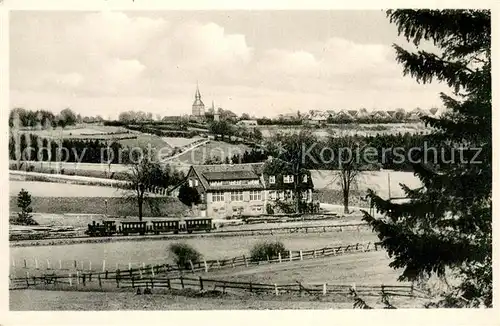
386 151
44 119
227 129
75 150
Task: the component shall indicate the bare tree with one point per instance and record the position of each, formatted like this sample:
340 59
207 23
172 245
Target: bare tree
290 148
347 163
143 175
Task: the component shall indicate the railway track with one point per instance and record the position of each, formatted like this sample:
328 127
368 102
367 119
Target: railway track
50 241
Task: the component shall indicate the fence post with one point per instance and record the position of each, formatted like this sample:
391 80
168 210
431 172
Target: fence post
25 265
279 257
48 264
143 265
83 279
290 255
301 257
232 263
168 284
99 279
133 284
152 283
324 288
75 264
77 277
206 266
27 279
191 265
218 263
104 265
276 292
60 264
201 284
140 272
411 289
357 244
70 279
90 265
250 286
314 253
182 282
36 263
245 259
129 265
117 277
152 271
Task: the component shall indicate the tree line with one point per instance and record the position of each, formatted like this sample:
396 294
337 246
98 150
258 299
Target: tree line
78 150
385 148
44 119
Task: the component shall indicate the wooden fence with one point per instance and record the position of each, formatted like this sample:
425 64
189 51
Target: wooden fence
84 282
86 267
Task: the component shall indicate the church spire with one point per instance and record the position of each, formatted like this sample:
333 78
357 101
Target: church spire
197 94
198 108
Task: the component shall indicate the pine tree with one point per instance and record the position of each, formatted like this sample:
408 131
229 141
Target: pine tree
445 228
24 203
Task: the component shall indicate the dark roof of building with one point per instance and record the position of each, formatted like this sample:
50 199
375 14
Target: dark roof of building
230 175
213 172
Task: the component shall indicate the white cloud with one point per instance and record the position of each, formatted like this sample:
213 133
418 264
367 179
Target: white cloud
117 55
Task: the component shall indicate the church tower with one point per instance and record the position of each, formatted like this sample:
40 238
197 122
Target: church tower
198 106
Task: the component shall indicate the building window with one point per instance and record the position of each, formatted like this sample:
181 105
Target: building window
253 182
282 195
235 182
218 196
288 179
216 183
237 195
190 182
272 195
195 182
304 178
255 195
272 179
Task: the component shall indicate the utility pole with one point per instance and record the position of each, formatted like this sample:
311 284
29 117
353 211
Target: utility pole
389 183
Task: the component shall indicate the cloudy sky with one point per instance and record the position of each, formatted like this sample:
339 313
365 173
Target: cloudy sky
260 62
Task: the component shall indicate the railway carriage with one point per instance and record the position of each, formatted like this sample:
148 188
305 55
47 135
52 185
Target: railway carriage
198 224
175 226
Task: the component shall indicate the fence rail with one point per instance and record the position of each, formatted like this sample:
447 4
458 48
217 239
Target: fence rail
150 270
206 284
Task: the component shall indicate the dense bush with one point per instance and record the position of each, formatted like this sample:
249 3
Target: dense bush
183 253
189 195
267 250
269 209
309 208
